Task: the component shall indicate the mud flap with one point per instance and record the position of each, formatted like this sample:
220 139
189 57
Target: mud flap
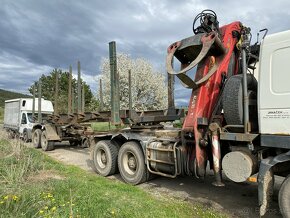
51 133
266 180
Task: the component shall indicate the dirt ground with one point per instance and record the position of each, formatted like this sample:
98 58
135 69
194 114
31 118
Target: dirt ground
237 200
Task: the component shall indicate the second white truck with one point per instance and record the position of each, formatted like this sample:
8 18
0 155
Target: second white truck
18 120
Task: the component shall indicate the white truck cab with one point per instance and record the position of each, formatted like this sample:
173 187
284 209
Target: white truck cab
18 118
274 88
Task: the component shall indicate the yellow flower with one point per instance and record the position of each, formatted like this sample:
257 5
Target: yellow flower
112 212
46 207
41 212
63 205
49 195
14 197
53 209
52 199
6 197
1 202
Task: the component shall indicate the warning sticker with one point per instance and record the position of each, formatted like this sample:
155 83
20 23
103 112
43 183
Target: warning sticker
276 114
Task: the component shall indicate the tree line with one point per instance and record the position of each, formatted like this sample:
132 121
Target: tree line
149 91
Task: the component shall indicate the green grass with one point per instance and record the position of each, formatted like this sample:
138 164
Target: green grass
103 126
34 185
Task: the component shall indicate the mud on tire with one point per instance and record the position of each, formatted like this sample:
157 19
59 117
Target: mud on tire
104 155
131 163
36 138
46 144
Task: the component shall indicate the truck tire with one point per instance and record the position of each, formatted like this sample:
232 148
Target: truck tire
284 198
104 155
46 145
232 100
25 136
36 138
131 162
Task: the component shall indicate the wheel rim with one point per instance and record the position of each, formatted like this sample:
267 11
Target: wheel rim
101 158
130 163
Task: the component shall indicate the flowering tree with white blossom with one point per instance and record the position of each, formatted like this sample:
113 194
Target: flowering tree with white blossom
149 91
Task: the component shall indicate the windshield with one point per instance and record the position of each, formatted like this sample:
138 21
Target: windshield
31 120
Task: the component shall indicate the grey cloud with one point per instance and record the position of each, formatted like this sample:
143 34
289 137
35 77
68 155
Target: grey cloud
46 34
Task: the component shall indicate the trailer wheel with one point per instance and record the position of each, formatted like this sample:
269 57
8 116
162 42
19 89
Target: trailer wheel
36 138
104 155
46 145
131 163
284 198
232 100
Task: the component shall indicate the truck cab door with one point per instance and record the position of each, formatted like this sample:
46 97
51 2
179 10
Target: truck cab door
23 123
274 88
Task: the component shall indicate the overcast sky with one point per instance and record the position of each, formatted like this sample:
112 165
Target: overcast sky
39 35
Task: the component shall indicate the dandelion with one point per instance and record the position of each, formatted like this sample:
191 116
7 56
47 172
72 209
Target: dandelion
63 205
41 212
53 209
49 195
14 197
46 207
1 202
113 212
6 197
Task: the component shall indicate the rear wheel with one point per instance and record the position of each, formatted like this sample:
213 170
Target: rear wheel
284 198
104 156
36 138
131 163
46 145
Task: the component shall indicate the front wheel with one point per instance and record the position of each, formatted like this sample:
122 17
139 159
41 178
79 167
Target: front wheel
46 145
25 136
131 163
284 198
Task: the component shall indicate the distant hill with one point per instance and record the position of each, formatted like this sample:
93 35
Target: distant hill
6 95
